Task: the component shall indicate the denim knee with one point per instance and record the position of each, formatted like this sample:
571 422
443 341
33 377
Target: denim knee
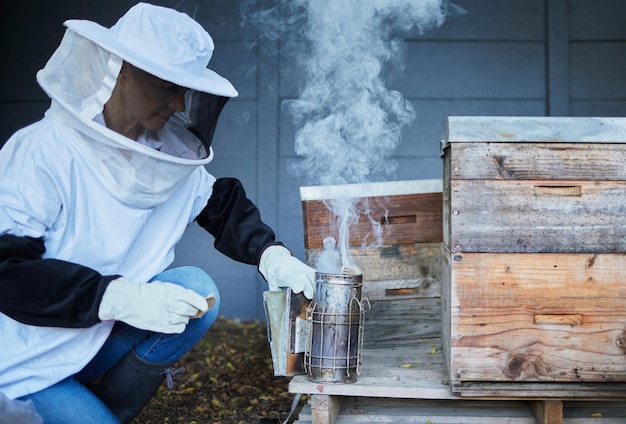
196 279
190 277
169 347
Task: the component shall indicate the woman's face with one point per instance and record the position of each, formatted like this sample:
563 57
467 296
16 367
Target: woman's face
148 101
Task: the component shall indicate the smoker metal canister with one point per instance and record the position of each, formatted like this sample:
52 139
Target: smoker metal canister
335 319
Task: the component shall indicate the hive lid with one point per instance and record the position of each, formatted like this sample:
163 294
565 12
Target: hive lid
532 129
387 188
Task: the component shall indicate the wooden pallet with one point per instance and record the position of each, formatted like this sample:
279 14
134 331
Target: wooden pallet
399 411
403 361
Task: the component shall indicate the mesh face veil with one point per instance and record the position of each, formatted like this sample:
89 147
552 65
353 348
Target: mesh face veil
79 78
200 115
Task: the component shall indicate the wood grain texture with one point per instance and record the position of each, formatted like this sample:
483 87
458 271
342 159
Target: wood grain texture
395 271
547 411
411 218
405 322
325 408
417 411
404 359
537 161
513 216
494 301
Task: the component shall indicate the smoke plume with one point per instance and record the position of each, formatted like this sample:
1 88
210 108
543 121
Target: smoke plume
348 122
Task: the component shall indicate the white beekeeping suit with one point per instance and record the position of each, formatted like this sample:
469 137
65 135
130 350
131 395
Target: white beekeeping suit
89 218
84 188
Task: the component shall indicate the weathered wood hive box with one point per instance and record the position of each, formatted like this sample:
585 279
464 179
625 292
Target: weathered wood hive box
400 255
534 280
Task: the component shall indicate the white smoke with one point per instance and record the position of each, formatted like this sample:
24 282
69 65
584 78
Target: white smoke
348 122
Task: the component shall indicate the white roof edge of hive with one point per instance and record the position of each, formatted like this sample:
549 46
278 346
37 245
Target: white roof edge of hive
548 129
387 188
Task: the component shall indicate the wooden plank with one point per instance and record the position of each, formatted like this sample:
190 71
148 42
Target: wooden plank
367 410
381 410
547 411
537 161
400 323
416 369
401 357
446 315
324 409
521 390
495 334
411 218
382 386
537 216
361 190
395 271
533 129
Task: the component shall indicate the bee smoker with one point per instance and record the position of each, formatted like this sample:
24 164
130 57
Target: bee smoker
335 329
323 337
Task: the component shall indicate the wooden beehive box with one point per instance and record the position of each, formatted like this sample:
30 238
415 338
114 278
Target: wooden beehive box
406 261
534 280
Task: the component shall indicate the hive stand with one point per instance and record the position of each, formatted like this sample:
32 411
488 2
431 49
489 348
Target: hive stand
404 380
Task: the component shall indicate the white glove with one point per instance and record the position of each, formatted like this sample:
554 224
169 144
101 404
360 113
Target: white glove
157 306
281 269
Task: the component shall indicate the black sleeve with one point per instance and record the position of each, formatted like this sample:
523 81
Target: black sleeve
235 222
47 292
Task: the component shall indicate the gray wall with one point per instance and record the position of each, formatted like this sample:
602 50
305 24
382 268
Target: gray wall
514 57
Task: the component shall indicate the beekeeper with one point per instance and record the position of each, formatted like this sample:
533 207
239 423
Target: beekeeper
94 198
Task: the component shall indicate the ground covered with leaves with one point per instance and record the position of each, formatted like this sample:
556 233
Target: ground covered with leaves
228 379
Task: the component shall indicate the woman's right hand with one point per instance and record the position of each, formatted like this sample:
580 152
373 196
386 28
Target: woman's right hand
156 306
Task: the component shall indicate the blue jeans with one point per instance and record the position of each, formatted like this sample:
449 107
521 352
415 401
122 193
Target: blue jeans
69 402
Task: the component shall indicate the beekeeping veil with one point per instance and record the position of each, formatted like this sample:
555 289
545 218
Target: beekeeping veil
80 77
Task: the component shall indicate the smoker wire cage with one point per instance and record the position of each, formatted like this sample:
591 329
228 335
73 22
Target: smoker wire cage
335 320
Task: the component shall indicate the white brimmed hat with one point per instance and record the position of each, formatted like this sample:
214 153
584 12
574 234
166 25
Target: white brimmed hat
162 42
